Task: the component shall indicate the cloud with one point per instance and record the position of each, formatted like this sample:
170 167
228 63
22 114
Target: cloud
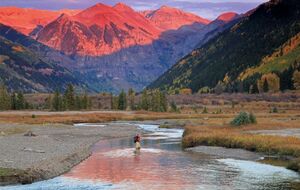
212 10
221 1
73 1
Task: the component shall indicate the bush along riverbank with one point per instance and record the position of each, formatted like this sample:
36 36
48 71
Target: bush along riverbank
236 136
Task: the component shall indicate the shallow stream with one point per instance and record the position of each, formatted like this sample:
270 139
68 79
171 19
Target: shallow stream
162 164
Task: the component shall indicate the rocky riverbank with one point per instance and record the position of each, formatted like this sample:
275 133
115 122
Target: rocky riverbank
52 150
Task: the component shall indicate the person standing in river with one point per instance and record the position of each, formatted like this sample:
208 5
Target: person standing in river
137 141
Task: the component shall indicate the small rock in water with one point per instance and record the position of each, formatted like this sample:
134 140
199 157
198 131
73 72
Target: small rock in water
2 133
30 134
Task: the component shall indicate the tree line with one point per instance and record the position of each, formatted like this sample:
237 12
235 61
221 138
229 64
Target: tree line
148 100
288 79
12 101
69 100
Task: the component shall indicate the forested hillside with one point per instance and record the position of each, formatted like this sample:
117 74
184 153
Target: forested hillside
22 69
257 54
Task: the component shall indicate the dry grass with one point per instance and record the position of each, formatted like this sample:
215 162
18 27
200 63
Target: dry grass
9 172
215 130
235 138
203 129
265 121
86 117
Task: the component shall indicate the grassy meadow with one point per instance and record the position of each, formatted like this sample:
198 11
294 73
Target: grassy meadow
214 128
206 119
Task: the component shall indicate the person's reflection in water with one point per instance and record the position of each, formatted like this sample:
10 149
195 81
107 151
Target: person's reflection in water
137 154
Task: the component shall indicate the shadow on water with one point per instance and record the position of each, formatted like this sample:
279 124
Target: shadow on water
161 164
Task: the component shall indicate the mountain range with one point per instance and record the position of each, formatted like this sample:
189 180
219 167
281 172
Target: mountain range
262 47
26 20
113 47
23 69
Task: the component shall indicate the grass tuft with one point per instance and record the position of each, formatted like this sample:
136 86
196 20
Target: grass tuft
243 118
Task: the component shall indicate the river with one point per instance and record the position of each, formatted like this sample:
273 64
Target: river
162 164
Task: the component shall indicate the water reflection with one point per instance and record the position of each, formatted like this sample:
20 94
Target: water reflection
162 164
122 165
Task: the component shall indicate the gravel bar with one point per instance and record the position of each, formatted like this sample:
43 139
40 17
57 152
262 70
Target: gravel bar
54 150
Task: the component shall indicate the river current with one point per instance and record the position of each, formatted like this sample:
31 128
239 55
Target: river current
162 164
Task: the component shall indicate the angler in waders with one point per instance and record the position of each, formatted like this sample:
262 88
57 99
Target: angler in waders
137 141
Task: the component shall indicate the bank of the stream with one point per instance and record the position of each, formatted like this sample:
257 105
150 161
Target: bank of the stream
26 170
52 151
284 150
162 164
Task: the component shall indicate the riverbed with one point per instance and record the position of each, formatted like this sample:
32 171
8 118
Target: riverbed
163 164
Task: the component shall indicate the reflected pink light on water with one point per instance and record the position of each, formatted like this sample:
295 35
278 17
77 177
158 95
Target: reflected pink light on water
115 170
143 168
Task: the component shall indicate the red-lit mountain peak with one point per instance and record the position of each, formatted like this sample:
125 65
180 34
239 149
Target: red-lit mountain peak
25 20
170 18
99 13
227 17
123 7
99 30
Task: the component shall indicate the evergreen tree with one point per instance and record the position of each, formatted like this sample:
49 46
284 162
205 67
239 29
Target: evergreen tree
13 100
69 98
265 86
111 101
85 101
286 79
250 84
205 110
163 102
174 107
254 89
48 102
115 103
89 103
57 103
27 105
5 102
20 102
131 97
269 82
78 103
145 105
155 101
17 101
122 104
240 87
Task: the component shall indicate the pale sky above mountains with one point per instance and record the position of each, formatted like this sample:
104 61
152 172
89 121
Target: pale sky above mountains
206 8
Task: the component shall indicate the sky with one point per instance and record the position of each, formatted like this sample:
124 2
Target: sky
205 8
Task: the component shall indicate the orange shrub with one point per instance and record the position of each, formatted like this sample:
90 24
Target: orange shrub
185 91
